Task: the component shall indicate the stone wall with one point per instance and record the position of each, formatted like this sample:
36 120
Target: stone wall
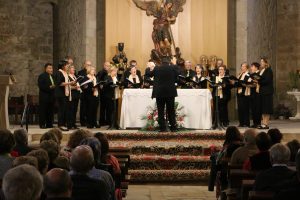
26 41
288 47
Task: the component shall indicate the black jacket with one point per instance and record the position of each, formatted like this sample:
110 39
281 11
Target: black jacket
165 77
75 92
108 90
266 82
60 90
191 73
44 83
226 88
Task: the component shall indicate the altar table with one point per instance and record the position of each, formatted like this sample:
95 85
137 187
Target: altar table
196 103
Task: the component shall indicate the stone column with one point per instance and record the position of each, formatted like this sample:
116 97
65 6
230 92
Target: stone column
91 32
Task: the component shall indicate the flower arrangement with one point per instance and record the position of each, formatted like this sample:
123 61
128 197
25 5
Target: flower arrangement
152 117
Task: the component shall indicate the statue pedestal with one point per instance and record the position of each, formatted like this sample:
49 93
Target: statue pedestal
296 94
5 81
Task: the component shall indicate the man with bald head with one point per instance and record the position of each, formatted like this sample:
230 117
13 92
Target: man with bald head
83 98
101 76
84 187
58 185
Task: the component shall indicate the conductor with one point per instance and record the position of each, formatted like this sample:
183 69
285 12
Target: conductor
164 90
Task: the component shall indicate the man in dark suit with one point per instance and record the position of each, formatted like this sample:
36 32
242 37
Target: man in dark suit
164 90
188 72
46 86
84 187
83 98
268 180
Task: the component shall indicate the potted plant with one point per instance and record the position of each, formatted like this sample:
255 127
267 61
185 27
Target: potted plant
293 81
282 112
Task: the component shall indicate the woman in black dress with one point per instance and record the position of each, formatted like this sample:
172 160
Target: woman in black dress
266 92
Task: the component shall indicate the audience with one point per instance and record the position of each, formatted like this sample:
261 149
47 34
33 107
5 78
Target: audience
30 160
58 134
7 143
279 172
294 146
84 187
49 136
22 182
58 185
261 160
75 138
241 154
275 135
21 139
42 158
52 148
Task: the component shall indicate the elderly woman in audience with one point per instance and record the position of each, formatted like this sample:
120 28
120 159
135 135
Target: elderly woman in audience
96 172
22 182
21 138
105 156
241 154
261 160
74 140
42 158
269 179
275 135
7 143
52 148
30 160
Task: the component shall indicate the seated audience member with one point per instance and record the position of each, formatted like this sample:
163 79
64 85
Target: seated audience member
29 160
243 153
84 187
52 148
58 133
105 156
275 135
42 158
49 136
23 182
7 143
279 172
63 162
294 146
21 138
261 160
290 189
96 171
219 160
58 185
74 140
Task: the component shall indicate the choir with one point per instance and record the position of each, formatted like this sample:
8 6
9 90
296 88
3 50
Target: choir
254 91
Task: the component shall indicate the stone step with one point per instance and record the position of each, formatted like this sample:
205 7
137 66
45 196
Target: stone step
168 162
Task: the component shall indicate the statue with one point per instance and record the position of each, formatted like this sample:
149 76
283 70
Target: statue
120 59
165 13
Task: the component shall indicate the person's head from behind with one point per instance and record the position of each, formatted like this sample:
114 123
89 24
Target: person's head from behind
21 137
275 135
188 65
48 68
249 137
95 145
76 137
263 141
166 60
297 160
30 160
52 148
232 135
58 184
49 135
22 182
294 147
279 154
58 134
7 141
42 158
82 159
104 143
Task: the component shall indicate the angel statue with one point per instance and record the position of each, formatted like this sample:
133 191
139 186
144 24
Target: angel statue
165 13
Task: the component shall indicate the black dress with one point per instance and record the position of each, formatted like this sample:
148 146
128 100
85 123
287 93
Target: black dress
83 100
104 118
266 91
255 104
202 82
92 105
74 105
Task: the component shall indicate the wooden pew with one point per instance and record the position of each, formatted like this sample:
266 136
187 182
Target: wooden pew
260 195
247 186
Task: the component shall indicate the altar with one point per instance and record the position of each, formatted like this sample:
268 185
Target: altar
196 105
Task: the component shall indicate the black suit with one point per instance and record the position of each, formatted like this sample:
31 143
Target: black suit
269 179
86 188
46 100
255 105
83 100
147 78
266 91
73 107
164 90
104 117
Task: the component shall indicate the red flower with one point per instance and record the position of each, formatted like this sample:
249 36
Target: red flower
149 117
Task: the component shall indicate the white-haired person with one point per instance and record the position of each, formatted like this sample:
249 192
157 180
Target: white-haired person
148 79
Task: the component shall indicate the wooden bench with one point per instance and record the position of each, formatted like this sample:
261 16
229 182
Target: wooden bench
260 195
247 186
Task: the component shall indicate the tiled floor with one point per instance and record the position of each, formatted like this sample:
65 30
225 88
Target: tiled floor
164 192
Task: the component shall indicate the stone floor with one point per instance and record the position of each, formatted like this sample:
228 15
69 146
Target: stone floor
167 192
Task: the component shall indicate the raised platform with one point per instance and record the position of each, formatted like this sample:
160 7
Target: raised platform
170 157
